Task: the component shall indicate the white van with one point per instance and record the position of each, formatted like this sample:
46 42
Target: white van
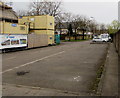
102 38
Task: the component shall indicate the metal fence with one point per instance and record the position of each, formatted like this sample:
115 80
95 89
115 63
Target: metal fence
116 40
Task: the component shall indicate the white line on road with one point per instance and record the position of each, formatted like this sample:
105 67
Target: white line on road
31 62
78 78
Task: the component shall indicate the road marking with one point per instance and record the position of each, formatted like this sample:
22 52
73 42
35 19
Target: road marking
31 62
78 78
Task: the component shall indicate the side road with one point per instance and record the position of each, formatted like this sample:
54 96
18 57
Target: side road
109 82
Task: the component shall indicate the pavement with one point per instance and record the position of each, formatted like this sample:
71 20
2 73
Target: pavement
64 70
110 76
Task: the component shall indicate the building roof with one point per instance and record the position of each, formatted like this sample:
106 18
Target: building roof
7 12
5 6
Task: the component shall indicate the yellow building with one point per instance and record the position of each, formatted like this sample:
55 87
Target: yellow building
9 21
7 14
12 28
43 22
38 29
40 25
49 33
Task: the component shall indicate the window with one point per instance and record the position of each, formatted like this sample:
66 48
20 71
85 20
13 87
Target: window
22 28
50 23
50 37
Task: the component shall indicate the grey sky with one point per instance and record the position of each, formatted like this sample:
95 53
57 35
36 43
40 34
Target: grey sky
103 12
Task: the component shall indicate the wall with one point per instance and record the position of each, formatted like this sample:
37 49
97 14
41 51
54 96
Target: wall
116 40
37 40
38 22
12 28
49 33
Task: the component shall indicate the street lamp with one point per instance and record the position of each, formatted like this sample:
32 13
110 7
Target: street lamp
93 29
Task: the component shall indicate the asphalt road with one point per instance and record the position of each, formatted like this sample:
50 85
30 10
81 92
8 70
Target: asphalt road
70 66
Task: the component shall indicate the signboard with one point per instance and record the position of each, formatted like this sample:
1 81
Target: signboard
14 25
12 41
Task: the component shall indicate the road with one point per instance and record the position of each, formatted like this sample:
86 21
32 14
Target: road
70 66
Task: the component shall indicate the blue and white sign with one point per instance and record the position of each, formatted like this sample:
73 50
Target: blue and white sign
14 25
10 37
12 41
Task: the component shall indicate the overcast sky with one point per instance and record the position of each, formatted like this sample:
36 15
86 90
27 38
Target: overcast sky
103 12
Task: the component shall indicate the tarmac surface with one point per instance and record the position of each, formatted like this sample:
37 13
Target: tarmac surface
110 76
66 69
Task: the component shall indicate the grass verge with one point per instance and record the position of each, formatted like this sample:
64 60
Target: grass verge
72 40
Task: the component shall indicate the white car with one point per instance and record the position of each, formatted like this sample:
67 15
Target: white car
102 38
97 39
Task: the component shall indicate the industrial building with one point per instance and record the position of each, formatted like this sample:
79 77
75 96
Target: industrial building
39 26
26 31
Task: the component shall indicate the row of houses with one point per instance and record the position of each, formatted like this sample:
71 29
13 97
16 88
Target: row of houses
62 29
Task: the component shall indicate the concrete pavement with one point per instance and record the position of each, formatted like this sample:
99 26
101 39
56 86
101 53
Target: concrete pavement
19 90
68 68
110 75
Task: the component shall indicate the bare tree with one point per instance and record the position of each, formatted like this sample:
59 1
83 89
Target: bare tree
45 8
93 26
102 28
83 24
76 24
67 18
22 13
59 22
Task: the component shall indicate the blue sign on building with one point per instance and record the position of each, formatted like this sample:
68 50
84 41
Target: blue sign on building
14 25
10 37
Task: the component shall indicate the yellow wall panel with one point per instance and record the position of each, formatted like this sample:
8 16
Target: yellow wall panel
42 32
49 33
12 28
50 22
38 22
50 39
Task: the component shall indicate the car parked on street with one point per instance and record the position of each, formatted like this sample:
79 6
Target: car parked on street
97 39
102 38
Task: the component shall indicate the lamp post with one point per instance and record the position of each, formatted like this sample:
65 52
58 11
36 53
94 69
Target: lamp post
93 29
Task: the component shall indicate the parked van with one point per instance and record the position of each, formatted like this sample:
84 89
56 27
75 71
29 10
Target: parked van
102 38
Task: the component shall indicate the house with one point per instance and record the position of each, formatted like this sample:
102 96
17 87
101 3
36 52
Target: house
62 29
